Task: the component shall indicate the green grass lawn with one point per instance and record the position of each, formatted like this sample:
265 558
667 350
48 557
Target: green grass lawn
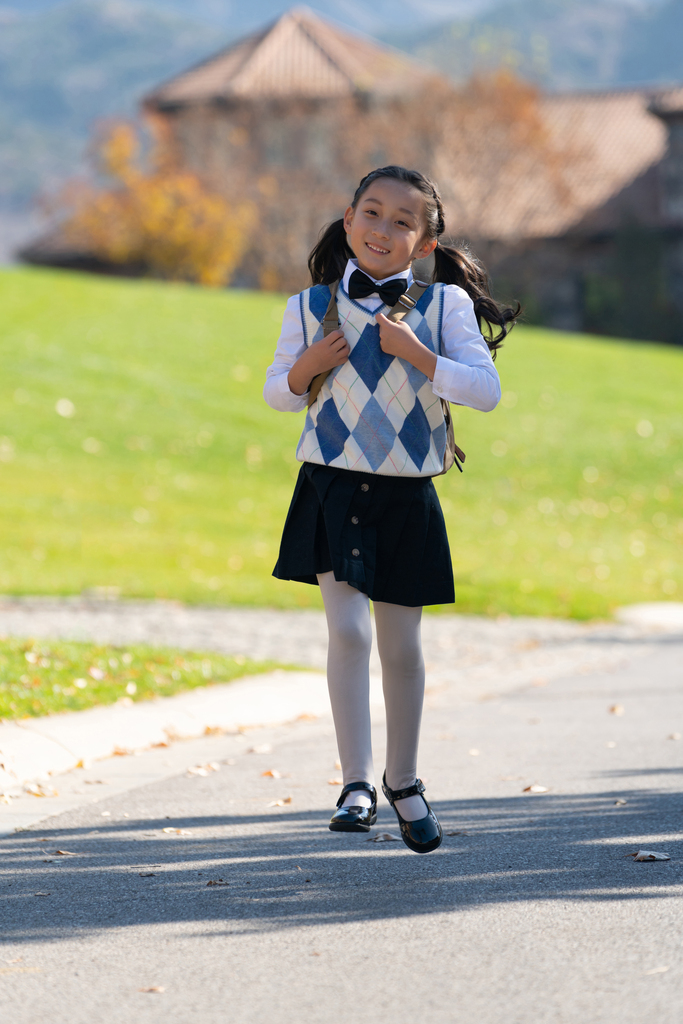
169 477
40 677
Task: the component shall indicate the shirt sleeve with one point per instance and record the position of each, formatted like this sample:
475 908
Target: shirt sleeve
290 346
465 373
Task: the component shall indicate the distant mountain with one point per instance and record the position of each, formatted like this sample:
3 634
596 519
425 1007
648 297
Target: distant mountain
64 68
562 44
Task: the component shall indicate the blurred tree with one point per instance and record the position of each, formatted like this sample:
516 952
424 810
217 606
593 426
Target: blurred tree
156 217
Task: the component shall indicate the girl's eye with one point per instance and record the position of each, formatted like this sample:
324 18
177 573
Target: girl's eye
371 213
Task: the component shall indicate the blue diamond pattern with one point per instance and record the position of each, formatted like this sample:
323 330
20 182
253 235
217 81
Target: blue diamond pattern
367 358
331 431
415 435
374 434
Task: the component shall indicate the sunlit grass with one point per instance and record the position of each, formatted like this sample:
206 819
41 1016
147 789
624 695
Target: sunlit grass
169 476
40 677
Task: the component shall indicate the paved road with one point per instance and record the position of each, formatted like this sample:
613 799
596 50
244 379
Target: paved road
530 913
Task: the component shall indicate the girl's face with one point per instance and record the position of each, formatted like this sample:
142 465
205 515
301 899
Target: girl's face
387 229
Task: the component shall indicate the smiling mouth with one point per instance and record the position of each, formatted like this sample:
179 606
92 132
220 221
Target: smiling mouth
375 248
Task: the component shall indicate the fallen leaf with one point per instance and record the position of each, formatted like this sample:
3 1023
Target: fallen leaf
383 837
176 831
42 894
272 773
213 730
535 789
620 802
155 746
280 803
121 751
219 882
38 789
617 709
459 833
675 736
106 814
48 861
644 855
15 960
147 874
334 782
83 763
263 748
204 769
5 798
65 853
657 970
229 760
153 988
306 717
337 765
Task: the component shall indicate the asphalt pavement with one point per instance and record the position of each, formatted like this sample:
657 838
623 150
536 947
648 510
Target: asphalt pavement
250 910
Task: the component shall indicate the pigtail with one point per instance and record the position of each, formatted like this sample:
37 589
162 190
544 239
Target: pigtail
329 256
457 266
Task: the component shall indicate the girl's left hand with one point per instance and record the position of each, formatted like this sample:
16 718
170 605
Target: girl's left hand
397 339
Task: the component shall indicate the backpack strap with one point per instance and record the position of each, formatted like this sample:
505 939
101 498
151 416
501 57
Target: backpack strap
330 323
407 301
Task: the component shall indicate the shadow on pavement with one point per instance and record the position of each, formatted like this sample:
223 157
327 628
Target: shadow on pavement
286 869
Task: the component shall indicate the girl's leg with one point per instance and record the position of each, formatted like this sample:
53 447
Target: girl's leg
348 679
403 679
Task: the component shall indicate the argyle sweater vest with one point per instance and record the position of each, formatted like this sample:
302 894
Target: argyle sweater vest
376 413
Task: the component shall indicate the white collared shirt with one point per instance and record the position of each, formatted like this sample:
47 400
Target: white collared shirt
465 373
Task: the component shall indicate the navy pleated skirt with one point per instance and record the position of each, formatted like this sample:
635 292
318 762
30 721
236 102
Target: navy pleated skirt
384 535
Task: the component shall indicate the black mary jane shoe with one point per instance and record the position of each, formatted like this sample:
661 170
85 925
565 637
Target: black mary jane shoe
354 819
423 835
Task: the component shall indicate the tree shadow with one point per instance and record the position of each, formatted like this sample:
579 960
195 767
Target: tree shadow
285 869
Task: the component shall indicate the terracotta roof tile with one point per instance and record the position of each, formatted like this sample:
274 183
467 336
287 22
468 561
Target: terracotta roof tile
298 55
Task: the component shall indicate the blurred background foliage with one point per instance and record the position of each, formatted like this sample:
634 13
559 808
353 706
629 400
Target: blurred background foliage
139 459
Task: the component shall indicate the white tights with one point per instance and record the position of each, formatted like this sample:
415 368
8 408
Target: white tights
348 676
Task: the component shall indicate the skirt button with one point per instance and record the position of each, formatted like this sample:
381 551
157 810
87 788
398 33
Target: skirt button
355 552
355 520
365 487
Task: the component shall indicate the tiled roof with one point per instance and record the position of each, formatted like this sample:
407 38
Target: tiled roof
299 55
600 151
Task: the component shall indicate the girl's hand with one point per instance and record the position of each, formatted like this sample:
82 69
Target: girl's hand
324 355
397 339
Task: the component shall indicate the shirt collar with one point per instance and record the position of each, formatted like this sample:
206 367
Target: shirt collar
353 265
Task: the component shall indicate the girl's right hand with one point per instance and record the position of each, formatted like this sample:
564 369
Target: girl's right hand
324 355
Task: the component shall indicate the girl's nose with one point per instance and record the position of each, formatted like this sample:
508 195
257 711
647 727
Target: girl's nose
381 230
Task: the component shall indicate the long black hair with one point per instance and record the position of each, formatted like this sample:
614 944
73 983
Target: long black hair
329 256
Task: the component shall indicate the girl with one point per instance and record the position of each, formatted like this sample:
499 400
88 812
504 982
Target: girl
365 522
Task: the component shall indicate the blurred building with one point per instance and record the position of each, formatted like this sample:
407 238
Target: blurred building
575 202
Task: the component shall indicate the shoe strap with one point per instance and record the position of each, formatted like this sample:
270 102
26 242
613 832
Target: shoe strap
400 794
350 787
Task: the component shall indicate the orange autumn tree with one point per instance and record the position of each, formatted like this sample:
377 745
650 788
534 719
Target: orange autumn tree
156 216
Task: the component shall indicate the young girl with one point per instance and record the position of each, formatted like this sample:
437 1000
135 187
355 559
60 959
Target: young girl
365 522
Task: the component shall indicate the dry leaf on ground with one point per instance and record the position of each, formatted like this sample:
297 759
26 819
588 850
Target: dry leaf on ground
280 803
5 798
42 894
153 988
674 736
204 769
176 831
383 837
535 789
620 802
121 752
617 709
262 748
461 832
306 717
38 789
644 855
218 882
65 853
657 970
335 782
272 773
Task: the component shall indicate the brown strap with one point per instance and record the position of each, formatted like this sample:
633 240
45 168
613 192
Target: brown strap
330 323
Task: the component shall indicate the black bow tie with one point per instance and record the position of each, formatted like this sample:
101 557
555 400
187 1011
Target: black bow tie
360 286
